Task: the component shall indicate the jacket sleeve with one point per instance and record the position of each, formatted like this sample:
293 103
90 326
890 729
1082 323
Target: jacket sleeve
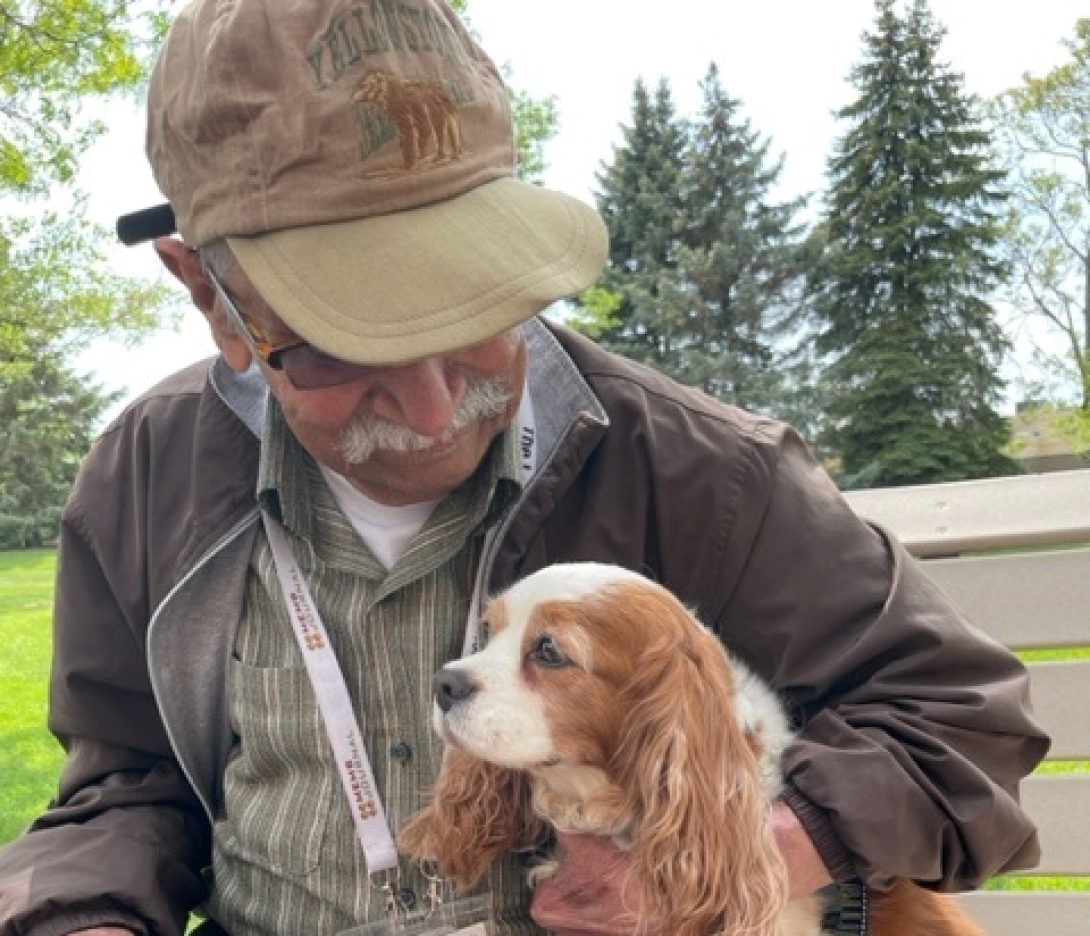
125 838
914 728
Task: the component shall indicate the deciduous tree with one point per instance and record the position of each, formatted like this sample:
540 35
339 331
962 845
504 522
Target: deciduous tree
54 58
1045 126
56 293
57 59
537 119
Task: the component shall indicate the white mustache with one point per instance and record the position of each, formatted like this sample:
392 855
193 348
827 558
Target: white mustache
366 435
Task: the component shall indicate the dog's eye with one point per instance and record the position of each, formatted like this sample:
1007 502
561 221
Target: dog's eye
545 652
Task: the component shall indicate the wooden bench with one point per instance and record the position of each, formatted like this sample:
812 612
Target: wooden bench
1014 554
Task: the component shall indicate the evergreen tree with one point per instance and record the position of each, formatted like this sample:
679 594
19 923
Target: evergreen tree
703 279
639 198
48 417
739 259
911 229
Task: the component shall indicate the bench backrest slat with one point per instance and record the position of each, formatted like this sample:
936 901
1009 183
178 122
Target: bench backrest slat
971 516
1058 806
1024 600
1060 692
1027 913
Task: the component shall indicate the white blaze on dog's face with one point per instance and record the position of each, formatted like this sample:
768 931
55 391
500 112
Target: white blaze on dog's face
541 668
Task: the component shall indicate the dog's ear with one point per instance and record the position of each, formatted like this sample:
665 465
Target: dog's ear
478 813
703 847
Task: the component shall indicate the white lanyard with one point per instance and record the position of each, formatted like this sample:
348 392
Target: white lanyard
334 702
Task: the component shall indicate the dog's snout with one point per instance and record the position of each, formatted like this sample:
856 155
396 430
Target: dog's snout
450 686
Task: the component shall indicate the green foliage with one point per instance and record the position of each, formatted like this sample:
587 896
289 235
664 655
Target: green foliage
1045 128
704 271
1075 426
537 120
54 56
54 298
57 293
640 201
48 418
30 758
1066 424
741 253
596 313
910 234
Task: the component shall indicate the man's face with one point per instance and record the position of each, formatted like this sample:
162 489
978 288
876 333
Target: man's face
406 433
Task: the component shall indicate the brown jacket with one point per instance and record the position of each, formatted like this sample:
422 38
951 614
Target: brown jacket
913 727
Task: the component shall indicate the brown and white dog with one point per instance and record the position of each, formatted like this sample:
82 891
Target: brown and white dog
600 705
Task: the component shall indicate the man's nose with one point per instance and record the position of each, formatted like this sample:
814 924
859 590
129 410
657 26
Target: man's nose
422 396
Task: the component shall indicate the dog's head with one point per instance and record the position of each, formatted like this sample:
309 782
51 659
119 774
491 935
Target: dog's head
598 684
548 687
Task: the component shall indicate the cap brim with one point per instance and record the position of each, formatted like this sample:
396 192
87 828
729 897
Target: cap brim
398 287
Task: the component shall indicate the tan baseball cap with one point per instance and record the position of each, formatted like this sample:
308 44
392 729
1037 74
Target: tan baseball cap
358 155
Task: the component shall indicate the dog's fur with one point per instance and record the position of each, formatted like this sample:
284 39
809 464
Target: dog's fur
600 705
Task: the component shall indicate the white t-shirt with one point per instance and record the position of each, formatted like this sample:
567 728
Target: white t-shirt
386 530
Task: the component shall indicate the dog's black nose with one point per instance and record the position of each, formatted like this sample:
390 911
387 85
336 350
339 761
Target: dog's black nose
450 686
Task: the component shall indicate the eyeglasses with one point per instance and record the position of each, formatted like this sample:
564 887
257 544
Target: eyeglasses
304 365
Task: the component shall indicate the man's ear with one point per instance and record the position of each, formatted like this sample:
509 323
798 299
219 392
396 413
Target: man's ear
185 265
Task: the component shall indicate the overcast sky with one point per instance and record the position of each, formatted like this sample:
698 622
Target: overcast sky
787 61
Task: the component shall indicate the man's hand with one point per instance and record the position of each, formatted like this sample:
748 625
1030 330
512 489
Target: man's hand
806 872
593 893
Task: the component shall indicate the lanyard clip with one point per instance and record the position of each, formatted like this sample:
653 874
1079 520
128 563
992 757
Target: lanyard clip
434 895
389 890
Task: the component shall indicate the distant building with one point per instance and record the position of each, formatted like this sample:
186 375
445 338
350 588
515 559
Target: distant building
1044 439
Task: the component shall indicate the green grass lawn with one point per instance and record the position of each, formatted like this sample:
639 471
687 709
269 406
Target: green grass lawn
30 758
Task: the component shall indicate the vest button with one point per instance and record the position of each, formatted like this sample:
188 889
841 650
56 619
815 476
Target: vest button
401 752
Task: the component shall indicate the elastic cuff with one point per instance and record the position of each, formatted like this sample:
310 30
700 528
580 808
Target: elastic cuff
836 857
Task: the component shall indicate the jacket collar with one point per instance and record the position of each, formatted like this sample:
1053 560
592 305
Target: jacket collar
246 394
560 395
